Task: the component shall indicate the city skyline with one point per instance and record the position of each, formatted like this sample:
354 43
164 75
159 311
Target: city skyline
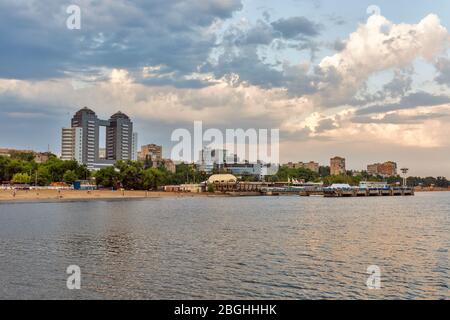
74 146
367 81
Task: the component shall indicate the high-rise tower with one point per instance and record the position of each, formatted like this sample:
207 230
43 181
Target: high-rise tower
119 137
81 141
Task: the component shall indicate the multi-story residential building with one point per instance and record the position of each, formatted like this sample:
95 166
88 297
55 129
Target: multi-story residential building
119 137
72 144
102 153
81 141
337 166
313 166
87 120
169 165
39 157
212 158
386 169
134 147
251 169
151 152
372 169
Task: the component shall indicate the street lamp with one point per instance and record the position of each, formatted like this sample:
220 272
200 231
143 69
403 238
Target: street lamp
405 172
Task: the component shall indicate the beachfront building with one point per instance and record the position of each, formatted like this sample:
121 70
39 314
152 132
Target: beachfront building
258 169
72 144
119 137
80 142
337 166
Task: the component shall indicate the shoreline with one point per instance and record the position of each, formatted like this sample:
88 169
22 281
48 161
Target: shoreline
28 196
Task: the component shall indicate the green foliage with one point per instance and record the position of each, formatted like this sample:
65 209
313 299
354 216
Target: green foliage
22 156
154 178
186 173
21 178
130 173
51 171
324 171
108 177
211 188
70 177
351 180
43 176
284 173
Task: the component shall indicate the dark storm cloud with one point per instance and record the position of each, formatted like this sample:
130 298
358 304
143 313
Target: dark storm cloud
443 67
240 54
411 101
325 125
296 26
398 87
121 34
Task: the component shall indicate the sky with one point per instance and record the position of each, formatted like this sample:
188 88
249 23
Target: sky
366 80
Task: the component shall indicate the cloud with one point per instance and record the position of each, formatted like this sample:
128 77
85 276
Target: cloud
443 67
413 100
395 118
296 26
120 34
377 46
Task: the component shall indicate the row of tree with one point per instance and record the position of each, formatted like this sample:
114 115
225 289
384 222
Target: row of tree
21 168
352 178
134 175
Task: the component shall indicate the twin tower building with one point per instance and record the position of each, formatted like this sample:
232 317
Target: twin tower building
81 142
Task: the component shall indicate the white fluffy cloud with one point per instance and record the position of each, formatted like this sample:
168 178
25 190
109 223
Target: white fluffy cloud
376 46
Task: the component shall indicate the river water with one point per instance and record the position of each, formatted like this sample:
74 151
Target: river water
227 248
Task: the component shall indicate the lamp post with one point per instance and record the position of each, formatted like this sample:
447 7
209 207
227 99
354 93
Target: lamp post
405 172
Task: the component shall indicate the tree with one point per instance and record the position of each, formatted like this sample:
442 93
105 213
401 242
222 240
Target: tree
70 177
324 171
22 156
43 176
82 172
108 177
130 174
21 178
298 173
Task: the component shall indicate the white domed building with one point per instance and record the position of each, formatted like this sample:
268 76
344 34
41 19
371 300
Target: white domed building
222 179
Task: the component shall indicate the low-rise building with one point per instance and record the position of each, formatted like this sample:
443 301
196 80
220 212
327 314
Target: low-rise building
39 157
386 169
311 165
337 166
151 152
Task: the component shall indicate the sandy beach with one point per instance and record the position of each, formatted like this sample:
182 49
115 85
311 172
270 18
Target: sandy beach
37 195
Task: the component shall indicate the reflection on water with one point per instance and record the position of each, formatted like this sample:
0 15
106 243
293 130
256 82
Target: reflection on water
223 248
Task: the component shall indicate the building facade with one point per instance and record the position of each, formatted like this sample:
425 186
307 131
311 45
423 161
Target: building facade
151 152
134 147
210 159
81 141
72 144
337 166
386 169
119 137
313 166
